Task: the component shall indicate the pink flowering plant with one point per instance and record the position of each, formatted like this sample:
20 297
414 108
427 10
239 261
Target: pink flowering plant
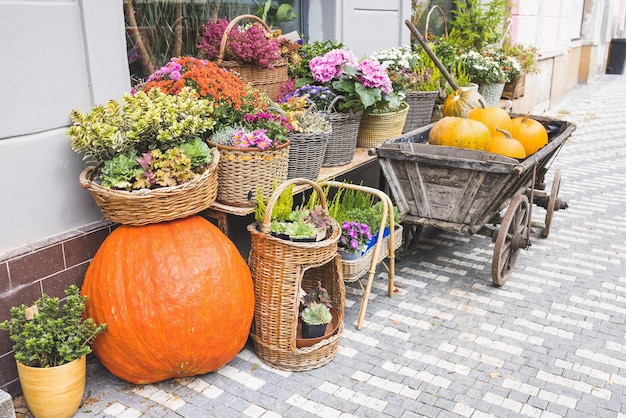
354 236
260 130
250 44
362 84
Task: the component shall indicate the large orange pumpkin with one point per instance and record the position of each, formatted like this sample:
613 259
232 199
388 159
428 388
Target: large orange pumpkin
494 117
460 132
460 100
177 296
531 133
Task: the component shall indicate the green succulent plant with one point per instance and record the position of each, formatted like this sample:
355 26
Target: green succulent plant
316 314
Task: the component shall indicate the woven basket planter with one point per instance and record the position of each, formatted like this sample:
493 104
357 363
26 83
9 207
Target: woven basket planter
421 104
375 128
244 170
280 268
355 269
342 140
306 154
268 80
147 206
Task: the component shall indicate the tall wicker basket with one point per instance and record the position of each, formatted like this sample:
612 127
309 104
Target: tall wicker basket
243 170
147 206
342 141
280 268
421 105
269 80
306 154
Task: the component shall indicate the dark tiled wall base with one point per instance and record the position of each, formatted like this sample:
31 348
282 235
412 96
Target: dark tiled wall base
45 267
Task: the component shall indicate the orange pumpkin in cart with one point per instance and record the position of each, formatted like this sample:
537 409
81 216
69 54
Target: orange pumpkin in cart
504 144
531 133
460 132
494 117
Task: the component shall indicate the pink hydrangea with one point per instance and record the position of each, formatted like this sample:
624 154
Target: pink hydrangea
330 65
373 75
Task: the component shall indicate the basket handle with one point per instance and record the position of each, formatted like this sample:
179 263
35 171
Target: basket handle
332 104
231 25
443 16
267 219
85 176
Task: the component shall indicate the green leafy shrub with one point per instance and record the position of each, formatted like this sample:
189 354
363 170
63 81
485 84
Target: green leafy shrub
49 334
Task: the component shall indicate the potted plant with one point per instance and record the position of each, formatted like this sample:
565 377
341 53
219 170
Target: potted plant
416 75
527 57
311 131
257 53
255 153
358 85
51 341
315 319
148 144
355 236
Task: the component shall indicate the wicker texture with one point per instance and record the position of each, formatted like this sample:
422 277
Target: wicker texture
355 269
376 128
243 170
421 105
306 154
269 80
280 268
147 206
342 140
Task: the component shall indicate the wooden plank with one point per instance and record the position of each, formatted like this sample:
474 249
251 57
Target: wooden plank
468 200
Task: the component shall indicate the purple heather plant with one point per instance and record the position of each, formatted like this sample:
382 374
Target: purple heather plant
321 96
354 236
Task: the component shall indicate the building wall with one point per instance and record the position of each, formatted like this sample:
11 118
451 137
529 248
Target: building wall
63 55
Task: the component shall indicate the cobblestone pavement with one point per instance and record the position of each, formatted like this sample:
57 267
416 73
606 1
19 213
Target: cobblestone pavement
549 343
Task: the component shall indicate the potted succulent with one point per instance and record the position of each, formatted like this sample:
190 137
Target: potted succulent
51 341
315 312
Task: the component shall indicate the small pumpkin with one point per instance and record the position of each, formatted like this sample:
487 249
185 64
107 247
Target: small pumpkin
531 133
504 144
177 296
460 100
460 132
494 117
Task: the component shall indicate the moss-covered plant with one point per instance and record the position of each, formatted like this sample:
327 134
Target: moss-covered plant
50 333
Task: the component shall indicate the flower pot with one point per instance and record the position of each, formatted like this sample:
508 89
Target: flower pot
243 170
330 329
306 154
491 92
377 127
349 255
53 392
421 105
343 138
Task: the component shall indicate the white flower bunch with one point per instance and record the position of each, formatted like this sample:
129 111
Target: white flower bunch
399 58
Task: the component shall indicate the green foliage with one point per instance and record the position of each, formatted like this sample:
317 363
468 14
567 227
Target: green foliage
198 152
274 12
479 24
317 295
316 314
371 216
54 335
140 122
282 208
121 172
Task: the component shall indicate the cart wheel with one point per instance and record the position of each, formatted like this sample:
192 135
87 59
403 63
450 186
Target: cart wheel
554 203
512 235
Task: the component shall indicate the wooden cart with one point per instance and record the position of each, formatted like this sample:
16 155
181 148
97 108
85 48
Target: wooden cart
466 191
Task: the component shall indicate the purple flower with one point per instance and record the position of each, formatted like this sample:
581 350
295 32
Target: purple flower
373 75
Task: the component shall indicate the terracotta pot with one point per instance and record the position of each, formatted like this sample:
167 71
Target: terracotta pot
54 392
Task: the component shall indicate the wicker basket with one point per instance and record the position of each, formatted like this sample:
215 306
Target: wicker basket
355 269
269 80
306 154
421 105
375 128
280 268
243 170
142 207
342 141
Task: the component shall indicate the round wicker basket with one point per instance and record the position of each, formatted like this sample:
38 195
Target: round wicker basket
377 127
147 206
